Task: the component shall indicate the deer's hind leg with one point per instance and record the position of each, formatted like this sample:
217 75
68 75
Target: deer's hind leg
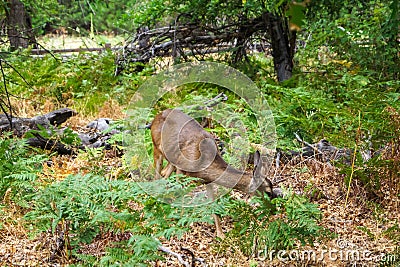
166 172
158 158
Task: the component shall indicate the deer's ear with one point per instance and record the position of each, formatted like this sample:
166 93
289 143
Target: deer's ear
256 181
257 164
257 159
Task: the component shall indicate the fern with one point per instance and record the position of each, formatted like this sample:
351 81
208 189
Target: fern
297 224
91 205
18 170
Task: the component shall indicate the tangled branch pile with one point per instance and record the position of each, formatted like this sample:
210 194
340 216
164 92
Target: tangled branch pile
192 39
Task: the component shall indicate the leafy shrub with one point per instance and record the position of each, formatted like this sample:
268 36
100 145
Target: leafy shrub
361 34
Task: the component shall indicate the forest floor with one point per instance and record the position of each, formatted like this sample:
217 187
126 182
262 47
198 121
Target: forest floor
361 225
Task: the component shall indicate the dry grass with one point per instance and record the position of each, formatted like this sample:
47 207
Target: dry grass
64 41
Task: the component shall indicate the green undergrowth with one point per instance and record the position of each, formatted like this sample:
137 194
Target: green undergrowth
82 81
356 109
262 225
18 171
90 206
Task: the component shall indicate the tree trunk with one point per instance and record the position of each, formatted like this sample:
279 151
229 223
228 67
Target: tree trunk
282 50
19 26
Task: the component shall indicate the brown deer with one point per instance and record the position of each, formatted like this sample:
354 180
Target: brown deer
192 151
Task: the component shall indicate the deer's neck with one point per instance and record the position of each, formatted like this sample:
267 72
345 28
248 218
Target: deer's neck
225 175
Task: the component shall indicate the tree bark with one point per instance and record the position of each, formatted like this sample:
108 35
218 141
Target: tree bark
19 26
281 47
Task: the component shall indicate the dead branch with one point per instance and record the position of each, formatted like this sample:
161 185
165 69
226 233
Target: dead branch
180 257
322 151
48 144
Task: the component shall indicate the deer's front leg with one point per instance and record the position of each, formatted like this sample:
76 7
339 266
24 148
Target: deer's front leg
158 160
217 219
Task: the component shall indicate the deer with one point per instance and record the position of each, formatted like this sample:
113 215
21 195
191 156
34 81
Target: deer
192 151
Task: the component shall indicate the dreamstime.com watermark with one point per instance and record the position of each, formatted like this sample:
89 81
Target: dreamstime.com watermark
346 255
340 254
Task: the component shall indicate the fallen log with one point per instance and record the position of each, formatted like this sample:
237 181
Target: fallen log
19 126
92 137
